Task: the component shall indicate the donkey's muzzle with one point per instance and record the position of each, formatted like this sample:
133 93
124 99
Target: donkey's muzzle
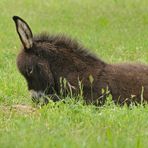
40 97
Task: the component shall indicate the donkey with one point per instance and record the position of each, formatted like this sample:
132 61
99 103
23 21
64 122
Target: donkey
45 59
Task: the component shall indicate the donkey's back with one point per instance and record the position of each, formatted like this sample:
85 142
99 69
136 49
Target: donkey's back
128 82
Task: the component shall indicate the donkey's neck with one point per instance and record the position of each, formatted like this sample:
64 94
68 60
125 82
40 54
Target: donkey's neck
63 45
67 56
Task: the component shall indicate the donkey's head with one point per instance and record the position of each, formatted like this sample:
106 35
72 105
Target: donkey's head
32 63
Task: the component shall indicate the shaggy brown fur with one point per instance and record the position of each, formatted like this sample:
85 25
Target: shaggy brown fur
44 59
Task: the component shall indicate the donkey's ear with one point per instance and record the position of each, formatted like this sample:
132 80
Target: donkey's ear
24 32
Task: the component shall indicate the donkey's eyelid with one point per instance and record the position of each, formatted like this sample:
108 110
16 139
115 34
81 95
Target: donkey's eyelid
30 71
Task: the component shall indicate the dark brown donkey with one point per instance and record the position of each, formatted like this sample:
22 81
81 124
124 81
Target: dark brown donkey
45 59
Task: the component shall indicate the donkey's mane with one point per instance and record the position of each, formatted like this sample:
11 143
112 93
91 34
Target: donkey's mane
62 41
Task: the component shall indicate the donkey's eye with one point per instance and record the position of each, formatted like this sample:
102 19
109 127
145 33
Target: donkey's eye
29 71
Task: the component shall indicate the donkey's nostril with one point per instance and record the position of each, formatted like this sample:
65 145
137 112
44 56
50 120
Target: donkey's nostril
40 95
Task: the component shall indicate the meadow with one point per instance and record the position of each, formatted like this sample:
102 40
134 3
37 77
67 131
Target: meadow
114 30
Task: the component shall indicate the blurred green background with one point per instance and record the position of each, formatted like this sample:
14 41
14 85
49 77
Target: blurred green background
115 30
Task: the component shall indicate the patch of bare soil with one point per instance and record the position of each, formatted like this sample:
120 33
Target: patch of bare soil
21 108
24 108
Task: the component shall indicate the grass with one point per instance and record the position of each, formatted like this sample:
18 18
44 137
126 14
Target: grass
115 30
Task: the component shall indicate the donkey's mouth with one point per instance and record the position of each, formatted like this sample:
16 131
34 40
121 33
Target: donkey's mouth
54 97
42 100
40 97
